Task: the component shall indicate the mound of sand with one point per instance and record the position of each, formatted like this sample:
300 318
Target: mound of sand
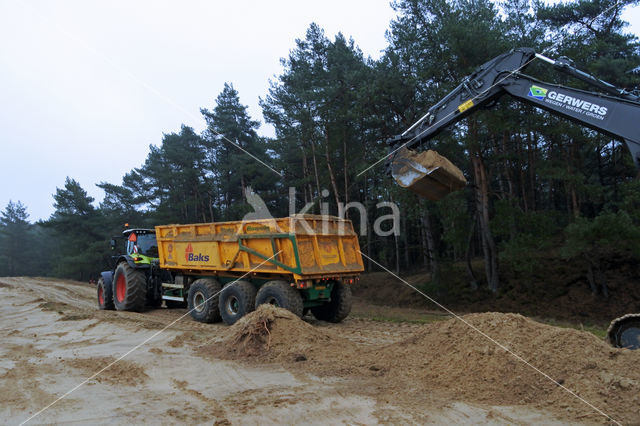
451 358
277 334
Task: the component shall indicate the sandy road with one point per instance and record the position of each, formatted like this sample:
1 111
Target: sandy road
54 338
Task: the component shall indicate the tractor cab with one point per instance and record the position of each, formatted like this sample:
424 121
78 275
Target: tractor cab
141 244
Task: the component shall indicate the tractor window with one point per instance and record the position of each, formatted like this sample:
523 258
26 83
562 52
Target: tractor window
147 245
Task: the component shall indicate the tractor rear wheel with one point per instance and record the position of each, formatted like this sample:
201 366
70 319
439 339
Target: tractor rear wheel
237 300
203 300
105 295
282 295
338 308
129 288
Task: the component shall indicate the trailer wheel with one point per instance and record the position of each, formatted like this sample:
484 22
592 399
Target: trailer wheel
105 295
203 300
281 294
338 308
129 288
237 300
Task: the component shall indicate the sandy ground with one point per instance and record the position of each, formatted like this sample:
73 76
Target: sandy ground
54 339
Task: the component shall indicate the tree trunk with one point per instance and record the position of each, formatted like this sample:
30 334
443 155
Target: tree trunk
315 168
507 165
575 206
346 168
434 265
597 279
396 240
405 242
482 206
306 177
574 202
211 207
531 144
369 243
591 278
473 281
334 185
243 189
522 175
425 248
605 288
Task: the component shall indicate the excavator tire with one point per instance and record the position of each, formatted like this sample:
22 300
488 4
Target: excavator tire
129 288
624 332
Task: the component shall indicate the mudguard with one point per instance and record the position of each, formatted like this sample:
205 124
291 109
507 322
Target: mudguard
107 277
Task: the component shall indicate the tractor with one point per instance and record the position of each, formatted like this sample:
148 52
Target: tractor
135 279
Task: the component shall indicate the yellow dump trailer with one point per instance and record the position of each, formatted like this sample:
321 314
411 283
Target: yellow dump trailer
302 262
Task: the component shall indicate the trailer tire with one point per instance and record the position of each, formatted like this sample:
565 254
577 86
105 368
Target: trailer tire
237 300
105 295
338 308
281 294
129 288
203 300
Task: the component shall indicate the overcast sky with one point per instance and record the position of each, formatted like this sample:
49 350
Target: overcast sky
86 86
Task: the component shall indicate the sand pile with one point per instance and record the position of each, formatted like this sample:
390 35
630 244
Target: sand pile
277 334
450 359
450 356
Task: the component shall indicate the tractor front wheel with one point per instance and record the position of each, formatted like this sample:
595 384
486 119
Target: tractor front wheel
129 288
105 295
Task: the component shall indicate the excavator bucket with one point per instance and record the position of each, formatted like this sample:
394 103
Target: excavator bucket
426 173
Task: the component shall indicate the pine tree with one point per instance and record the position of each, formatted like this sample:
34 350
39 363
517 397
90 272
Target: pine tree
15 240
79 233
238 156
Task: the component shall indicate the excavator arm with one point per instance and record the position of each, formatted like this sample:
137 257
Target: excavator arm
616 113
476 90
611 111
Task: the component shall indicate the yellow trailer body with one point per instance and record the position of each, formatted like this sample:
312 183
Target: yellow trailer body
301 247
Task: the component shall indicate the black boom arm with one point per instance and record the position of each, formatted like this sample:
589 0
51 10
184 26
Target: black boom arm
616 114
